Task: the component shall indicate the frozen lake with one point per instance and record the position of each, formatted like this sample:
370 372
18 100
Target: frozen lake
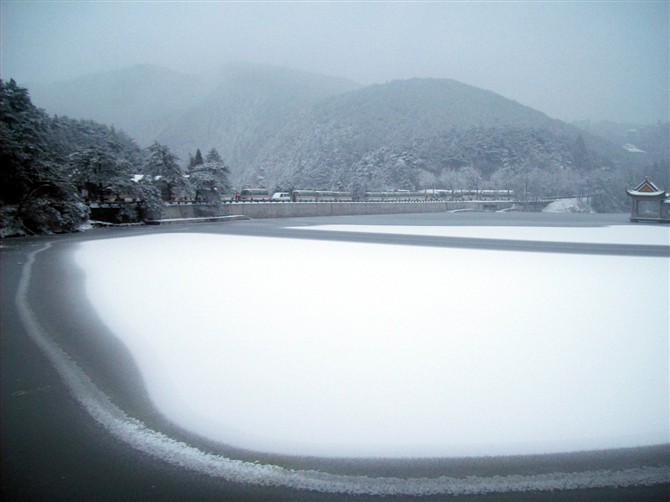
356 349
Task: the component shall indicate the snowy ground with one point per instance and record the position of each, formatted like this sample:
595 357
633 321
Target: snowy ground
568 206
334 348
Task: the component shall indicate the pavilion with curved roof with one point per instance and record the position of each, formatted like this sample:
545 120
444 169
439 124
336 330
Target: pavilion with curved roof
649 203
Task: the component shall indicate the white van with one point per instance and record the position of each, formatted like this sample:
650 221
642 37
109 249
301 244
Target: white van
281 197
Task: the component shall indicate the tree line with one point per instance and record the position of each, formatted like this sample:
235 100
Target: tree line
52 169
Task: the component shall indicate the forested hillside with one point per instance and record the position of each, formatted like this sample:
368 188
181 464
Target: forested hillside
425 133
430 126
249 108
237 108
53 168
38 192
283 129
647 145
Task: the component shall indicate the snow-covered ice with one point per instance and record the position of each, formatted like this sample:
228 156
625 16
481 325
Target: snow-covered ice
334 348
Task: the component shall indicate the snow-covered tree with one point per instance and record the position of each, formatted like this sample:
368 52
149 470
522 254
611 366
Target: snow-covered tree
195 160
209 179
35 194
149 199
98 172
163 165
23 143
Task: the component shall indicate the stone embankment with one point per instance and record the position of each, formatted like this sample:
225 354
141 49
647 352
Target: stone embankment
202 212
190 212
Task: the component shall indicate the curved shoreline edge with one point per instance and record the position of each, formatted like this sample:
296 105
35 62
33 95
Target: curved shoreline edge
137 435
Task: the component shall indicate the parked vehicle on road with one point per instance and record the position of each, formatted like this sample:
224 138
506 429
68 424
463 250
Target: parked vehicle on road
281 197
254 195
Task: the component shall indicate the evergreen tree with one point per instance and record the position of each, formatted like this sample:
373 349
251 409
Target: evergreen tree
195 161
210 179
214 157
98 173
36 196
23 144
162 164
580 154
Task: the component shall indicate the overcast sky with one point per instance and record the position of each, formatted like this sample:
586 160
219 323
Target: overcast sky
572 60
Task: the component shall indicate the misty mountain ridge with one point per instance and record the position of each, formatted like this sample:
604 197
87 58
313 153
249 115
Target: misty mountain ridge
651 140
248 107
149 97
136 99
280 127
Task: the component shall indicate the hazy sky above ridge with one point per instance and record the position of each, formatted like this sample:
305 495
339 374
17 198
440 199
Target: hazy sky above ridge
602 60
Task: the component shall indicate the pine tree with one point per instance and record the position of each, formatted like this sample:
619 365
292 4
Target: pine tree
98 172
36 195
23 144
210 179
162 164
195 161
580 154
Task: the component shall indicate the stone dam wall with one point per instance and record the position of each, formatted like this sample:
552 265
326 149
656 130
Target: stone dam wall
288 210
112 212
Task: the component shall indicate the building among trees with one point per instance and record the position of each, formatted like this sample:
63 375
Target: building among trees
649 203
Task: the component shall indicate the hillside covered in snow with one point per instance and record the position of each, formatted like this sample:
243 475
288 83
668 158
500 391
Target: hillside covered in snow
283 129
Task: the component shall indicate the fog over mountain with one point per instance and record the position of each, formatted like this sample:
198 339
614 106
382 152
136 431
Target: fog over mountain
381 94
278 127
570 60
135 99
235 109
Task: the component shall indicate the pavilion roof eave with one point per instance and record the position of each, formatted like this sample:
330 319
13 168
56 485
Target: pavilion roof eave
647 195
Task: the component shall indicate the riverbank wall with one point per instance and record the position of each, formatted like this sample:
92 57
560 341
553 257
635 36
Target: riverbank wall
288 210
182 211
